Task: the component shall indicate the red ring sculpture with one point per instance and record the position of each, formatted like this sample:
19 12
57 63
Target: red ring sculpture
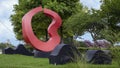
28 33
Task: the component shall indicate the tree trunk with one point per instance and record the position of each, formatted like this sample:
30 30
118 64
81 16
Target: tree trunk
61 34
46 36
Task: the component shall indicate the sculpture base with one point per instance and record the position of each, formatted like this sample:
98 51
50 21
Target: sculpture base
98 57
63 54
41 54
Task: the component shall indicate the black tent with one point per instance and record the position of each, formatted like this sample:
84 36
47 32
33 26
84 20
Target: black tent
63 54
8 51
98 57
22 50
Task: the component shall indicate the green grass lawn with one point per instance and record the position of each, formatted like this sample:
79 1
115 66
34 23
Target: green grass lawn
20 61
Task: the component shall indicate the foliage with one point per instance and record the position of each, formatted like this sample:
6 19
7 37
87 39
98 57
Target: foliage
65 8
98 43
110 8
111 35
76 21
86 21
28 47
101 24
4 45
110 12
116 54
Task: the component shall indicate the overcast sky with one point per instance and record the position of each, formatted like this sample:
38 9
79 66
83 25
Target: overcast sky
91 3
6 29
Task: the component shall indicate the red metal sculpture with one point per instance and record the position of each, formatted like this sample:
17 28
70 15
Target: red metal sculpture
28 33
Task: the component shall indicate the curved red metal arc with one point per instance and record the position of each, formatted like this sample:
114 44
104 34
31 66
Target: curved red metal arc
28 33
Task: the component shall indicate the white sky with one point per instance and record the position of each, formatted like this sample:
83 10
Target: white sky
6 29
91 3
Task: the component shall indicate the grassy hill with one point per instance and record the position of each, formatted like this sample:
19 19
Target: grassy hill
20 61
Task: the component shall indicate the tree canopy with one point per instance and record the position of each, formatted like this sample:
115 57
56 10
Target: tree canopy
101 24
65 8
110 12
77 19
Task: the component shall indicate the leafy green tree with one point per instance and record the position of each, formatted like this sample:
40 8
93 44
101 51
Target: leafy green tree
65 8
86 21
101 24
4 45
110 12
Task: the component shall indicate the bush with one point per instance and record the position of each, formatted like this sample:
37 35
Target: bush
116 54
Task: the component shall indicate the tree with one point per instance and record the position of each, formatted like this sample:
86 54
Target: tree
110 12
101 24
86 21
4 45
65 8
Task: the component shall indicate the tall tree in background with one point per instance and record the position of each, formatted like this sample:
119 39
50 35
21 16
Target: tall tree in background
86 21
101 24
110 12
40 23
